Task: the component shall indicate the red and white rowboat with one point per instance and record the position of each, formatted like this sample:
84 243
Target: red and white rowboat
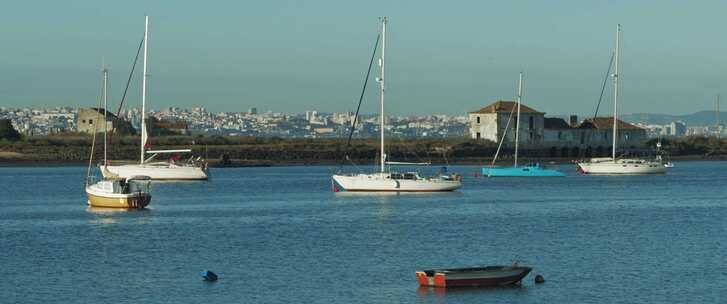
489 276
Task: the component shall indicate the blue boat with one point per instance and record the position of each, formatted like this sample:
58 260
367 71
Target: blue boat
529 170
521 171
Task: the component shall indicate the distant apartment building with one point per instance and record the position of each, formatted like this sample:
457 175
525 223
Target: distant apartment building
677 129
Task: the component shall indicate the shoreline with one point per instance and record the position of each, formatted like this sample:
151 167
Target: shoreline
235 163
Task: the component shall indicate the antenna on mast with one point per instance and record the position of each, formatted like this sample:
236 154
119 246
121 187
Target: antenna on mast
716 127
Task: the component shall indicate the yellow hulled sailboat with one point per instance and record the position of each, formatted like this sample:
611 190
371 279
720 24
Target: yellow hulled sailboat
115 192
120 193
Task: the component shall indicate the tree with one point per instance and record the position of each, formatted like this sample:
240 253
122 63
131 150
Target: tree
7 131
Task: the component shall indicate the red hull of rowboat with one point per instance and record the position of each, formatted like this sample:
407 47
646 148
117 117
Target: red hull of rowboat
491 276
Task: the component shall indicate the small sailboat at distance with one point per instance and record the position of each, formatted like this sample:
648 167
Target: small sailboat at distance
614 165
193 169
387 180
529 170
130 192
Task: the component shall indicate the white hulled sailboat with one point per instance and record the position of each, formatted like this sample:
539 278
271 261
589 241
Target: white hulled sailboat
613 165
385 180
193 169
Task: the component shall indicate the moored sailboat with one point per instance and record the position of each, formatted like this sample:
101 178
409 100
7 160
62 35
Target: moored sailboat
614 165
132 192
529 170
193 169
387 180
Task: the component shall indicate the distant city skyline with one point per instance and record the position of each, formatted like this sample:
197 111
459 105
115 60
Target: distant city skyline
442 58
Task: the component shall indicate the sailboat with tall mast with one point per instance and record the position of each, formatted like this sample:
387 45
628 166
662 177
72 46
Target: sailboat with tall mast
529 170
614 165
193 169
127 193
386 180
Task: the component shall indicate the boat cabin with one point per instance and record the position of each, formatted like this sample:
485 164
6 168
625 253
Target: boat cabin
408 176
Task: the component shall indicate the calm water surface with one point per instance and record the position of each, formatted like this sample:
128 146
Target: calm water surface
280 235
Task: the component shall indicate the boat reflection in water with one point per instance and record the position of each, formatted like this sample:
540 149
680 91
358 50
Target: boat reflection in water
112 211
385 194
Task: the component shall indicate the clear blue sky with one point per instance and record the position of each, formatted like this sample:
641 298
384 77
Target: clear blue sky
442 57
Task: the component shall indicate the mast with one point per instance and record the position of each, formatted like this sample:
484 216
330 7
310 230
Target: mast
717 125
381 88
615 93
105 107
517 122
143 90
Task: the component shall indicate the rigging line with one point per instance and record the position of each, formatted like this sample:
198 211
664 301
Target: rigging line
93 141
360 99
603 88
507 126
128 81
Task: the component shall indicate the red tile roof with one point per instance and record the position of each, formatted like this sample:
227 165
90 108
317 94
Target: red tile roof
502 106
606 123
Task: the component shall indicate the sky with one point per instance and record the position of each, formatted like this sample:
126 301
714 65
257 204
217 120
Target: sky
442 57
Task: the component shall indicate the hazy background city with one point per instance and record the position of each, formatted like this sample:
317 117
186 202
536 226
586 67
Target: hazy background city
295 56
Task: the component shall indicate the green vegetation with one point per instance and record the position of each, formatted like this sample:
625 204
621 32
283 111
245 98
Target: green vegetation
693 146
234 151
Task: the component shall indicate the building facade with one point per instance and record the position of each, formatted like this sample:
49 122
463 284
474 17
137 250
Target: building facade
92 120
538 131
495 120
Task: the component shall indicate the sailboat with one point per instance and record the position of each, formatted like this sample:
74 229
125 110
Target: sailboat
529 170
193 169
387 180
130 192
614 165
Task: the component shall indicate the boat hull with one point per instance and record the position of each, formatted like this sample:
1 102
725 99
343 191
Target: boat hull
155 171
626 167
492 276
380 183
126 201
527 171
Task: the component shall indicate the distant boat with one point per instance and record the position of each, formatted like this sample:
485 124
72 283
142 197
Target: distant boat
385 179
192 169
530 170
132 192
489 276
614 165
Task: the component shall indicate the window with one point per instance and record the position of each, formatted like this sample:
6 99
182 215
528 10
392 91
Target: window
90 121
83 121
478 135
478 119
531 123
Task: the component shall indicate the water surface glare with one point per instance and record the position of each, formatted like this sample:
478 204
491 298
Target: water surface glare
280 235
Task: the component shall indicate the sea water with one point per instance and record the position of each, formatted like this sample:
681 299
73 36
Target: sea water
280 235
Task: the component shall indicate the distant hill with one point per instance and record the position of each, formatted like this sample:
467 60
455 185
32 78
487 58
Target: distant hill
701 118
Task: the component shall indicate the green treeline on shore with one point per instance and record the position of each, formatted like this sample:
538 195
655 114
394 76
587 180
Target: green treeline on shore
234 150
